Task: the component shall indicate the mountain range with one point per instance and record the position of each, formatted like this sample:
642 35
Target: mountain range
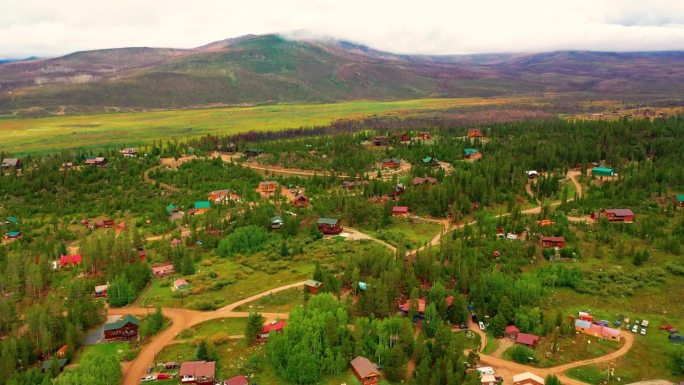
270 68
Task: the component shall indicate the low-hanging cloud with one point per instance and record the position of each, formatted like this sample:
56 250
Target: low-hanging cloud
41 28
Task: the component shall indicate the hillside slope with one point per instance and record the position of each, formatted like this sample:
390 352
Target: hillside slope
271 69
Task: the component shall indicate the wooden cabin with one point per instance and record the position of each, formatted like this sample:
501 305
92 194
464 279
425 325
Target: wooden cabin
558 242
197 372
366 371
124 329
329 226
618 215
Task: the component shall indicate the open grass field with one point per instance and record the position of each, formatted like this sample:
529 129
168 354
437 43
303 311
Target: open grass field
574 348
408 234
28 135
204 295
223 326
280 302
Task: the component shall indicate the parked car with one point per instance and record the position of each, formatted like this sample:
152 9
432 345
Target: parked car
482 325
635 328
644 323
643 331
164 376
628 326
485 370
463 325
148 379
637 322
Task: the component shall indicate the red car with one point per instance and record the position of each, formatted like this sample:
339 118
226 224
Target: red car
164 376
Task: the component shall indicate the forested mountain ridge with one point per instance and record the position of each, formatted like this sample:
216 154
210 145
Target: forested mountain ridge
272 69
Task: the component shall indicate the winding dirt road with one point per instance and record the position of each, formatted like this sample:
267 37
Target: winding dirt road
182 319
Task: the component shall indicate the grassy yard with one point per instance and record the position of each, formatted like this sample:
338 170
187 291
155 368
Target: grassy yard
652 351
28 135
241 282
123 350
221 326
404 232
492 344
281 302
575 348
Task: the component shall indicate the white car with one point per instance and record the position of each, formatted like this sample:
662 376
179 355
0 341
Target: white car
148 379
485 370
644 323
482 325
635 328
643 331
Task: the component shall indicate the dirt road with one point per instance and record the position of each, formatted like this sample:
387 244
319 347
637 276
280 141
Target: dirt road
182 319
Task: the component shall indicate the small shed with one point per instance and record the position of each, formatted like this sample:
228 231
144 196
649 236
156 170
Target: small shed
162 271
526 339
512 331
400 211
237 380
180 284
391 163
602 171
329 226
277 222
47 364
548 242
101 291
471 153
312 286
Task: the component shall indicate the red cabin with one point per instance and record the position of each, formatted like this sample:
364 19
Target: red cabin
329 226
275 327
312 286
400 211
197 372
618 215
301 200
70 260
124 329
391 163
547 242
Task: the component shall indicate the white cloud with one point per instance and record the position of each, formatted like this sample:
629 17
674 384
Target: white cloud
48 28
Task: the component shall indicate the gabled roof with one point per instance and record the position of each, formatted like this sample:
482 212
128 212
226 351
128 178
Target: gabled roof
620 212
171 207
526 339
198 369
428 159
14 220
602 169
364 368
13 234
273 327
277 219
488 378
180 282
10 162
406 306
121 322
553 239
511 329
202 204
312 283
160 269
679 197
101 288
470 151
70 259
47 364
328 221
237 380
527 376
400 209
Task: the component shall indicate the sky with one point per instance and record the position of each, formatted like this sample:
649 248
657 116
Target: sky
47 28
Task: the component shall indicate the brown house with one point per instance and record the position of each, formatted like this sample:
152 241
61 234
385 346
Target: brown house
162 271
223 196
312 286
197 372
301 200
391 163
124 329
11 163
96 161
527 378
366 371
380 141
547 242
417 181
527 339
398 211
105 224
405 138
618 215
329 226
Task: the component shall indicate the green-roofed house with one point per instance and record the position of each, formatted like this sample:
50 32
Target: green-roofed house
602 171
12 220
329 226
430 161
125 328
201 207
13 235
47 364
172 209
679 200
471 153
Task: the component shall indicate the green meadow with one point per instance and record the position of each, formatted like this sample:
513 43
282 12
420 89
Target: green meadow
29 135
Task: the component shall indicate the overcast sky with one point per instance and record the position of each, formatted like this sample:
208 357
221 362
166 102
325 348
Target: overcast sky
51 28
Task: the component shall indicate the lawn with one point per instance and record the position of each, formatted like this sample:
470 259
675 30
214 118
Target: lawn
652 351
281 302
574 348
222 326
241 282
123 350
409 234
27 135
492 344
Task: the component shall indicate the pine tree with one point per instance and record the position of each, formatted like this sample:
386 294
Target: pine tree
254 324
